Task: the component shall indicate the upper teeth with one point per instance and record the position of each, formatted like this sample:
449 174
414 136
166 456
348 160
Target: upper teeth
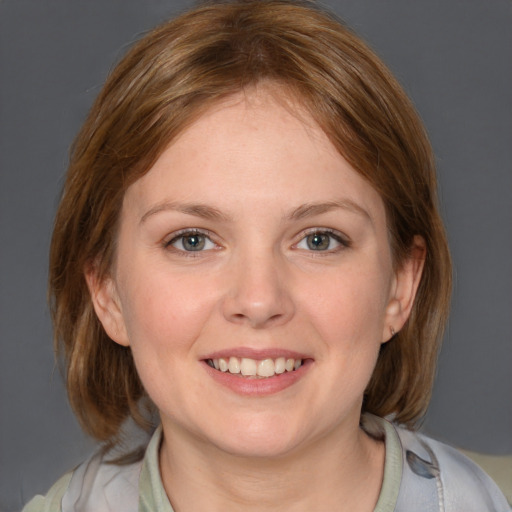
254 367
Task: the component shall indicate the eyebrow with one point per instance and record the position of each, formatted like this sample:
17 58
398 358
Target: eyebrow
197 210
301 212
312 209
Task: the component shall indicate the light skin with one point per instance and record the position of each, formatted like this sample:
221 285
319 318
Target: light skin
293 257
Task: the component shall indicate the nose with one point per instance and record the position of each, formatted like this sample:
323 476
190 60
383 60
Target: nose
258 293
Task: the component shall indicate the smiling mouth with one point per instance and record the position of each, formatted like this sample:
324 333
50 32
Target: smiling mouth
254 368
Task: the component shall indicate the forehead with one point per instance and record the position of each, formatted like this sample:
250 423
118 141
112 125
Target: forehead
259 144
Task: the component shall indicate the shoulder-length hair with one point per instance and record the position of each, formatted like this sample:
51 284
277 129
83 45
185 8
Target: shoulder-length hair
166 81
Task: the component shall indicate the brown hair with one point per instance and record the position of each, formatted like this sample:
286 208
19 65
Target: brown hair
166 81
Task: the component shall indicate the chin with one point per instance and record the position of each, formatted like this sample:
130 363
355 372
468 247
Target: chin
266 438
267 447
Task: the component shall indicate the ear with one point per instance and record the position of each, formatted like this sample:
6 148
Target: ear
403 290
107 306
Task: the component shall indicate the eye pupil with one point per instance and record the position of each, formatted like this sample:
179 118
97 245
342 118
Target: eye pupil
193 242
318 241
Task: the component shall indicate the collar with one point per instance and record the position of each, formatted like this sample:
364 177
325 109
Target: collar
152 495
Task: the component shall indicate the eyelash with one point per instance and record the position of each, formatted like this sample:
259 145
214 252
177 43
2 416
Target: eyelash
335 235
168 244
342 240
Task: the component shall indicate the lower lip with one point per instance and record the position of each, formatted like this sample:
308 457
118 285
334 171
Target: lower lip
258 387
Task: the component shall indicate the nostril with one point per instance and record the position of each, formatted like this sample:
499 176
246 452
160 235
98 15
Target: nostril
275 318
257 306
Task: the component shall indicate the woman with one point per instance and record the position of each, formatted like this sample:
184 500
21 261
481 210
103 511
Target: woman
248 243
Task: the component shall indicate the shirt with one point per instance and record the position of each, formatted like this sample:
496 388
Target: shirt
420 474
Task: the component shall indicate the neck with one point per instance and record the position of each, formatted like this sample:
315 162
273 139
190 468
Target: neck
334 472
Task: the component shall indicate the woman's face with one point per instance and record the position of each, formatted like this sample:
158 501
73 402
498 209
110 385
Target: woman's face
253 246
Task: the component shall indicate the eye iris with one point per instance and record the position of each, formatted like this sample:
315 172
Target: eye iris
318 241
193 242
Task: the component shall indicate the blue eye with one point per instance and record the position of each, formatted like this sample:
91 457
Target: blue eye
321 241
191 242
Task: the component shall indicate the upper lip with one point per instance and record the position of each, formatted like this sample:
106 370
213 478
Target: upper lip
256 353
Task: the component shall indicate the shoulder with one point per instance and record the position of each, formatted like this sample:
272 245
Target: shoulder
454 481
52 501
95 485
100 485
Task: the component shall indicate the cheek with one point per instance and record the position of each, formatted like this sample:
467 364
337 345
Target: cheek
163 311
164 318
351 305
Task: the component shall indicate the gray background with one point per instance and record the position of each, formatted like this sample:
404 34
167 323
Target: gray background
454 57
